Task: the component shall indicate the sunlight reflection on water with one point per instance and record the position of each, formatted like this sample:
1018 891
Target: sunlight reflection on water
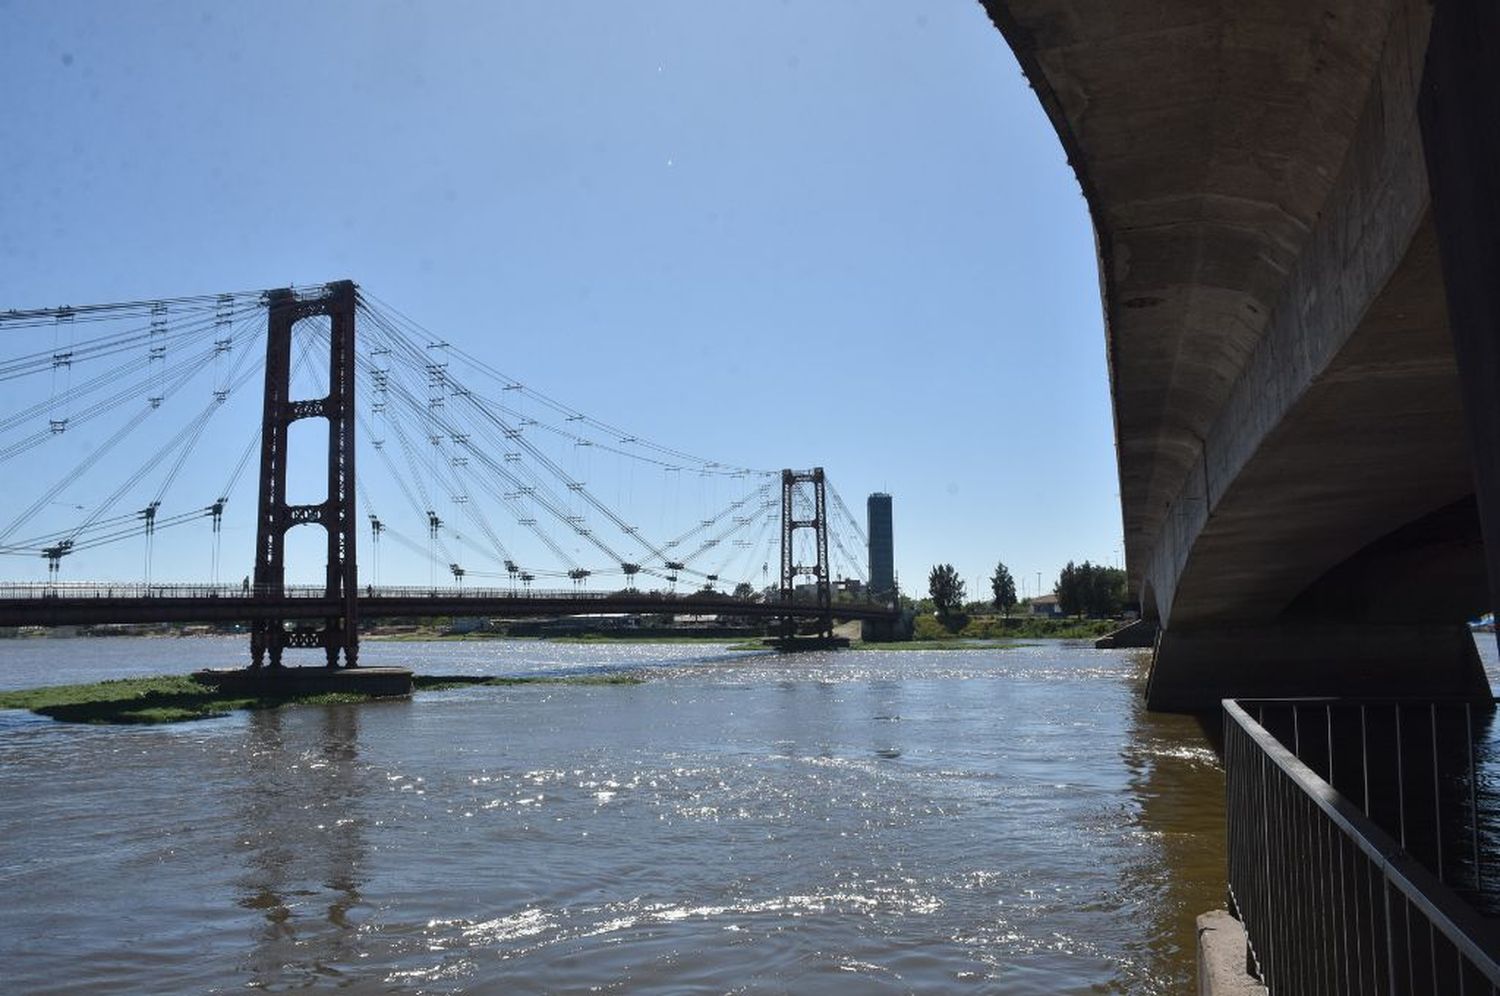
892 821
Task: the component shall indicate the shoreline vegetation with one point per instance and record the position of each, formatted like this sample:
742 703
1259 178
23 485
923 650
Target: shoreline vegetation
960 627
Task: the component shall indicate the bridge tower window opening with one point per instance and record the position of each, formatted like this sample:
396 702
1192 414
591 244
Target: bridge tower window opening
307 442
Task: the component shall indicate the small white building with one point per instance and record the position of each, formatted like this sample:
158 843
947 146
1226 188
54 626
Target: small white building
1045 605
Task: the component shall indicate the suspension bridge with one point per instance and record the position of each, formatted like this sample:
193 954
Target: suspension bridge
129 430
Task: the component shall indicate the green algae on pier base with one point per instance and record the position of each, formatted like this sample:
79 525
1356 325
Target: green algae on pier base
179 698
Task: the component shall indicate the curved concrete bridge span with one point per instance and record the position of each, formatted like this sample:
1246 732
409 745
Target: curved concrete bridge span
1297 208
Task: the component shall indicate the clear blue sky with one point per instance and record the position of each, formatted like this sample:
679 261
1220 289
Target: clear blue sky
775 234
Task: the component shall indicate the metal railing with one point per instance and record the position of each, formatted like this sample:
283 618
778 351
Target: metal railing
1318 812
87 589
105 590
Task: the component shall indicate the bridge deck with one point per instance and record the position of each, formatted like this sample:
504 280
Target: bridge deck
81 605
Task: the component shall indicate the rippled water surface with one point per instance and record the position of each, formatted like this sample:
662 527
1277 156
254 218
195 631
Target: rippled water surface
868 821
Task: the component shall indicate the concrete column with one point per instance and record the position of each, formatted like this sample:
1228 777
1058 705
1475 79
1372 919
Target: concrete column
1459 108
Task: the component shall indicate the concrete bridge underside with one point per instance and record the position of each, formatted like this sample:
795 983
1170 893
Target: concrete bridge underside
1297 208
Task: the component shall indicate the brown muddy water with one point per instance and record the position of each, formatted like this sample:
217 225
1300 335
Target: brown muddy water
988 821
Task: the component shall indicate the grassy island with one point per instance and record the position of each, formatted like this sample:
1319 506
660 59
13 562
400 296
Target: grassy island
179 698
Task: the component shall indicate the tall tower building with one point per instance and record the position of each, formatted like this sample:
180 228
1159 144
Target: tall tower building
882 547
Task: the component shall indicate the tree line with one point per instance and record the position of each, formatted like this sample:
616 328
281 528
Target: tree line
1090 590
1081 589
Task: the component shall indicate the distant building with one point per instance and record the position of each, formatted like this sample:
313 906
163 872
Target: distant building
1045 605
882 546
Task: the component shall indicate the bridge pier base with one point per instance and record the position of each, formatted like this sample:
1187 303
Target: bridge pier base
371 681
1193 668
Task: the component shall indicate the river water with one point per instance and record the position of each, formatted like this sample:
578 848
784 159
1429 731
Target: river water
1006 821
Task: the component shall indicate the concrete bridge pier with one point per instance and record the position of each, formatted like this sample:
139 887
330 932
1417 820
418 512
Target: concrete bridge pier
1459 108
1194 669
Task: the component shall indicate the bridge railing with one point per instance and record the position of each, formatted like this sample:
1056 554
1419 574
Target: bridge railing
243 590
1351 829
89 589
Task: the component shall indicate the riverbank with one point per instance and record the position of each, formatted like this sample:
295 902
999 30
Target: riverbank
180 698
931 628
